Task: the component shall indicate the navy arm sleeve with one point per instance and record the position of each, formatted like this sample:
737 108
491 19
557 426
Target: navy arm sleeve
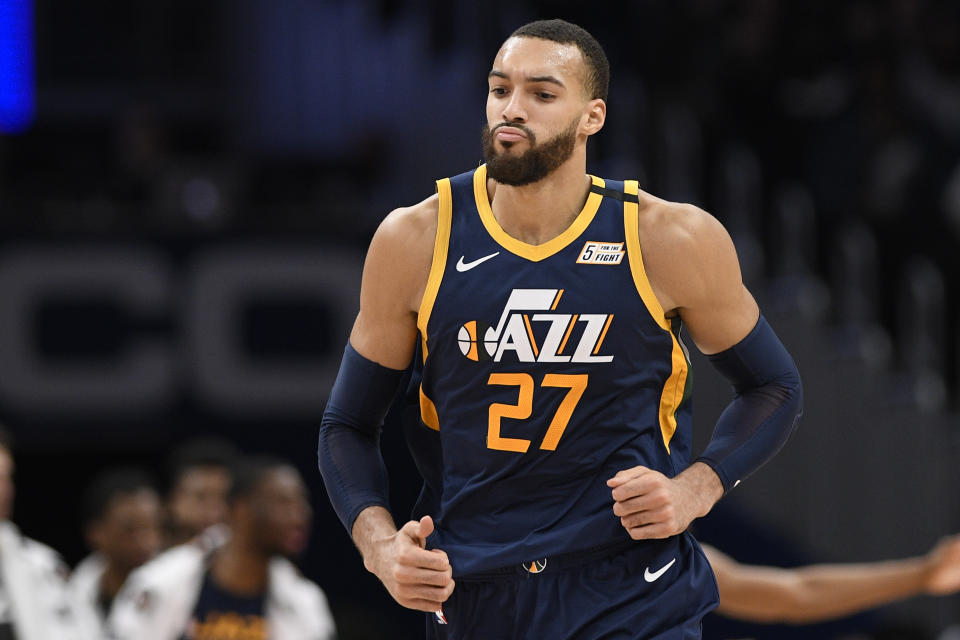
348 452
765 410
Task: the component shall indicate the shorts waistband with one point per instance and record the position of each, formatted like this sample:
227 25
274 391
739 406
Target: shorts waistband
557 562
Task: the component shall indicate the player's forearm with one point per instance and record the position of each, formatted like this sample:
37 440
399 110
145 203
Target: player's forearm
831 591
819 592
372 528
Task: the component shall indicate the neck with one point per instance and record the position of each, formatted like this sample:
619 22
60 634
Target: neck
112 579
536 213
240 567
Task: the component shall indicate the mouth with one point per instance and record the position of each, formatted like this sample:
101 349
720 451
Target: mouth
509 134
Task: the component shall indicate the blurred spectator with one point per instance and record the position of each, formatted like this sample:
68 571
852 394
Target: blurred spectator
243 588
198 473
122 526
35 603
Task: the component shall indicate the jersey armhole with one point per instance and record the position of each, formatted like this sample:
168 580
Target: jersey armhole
428 411
631 223
439 264
675 386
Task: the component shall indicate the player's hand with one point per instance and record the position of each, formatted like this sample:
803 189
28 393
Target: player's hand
651 506
417 578
943 561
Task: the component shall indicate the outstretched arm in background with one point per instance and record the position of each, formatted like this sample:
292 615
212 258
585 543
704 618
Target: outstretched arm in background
822 592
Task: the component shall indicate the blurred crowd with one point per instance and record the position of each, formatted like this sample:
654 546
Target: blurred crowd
204 558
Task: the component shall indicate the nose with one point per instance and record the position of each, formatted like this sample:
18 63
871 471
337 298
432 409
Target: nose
514 110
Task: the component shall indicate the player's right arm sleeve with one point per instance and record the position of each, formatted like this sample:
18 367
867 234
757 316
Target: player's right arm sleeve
348 452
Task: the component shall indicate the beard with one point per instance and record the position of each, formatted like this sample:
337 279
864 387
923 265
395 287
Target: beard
534 164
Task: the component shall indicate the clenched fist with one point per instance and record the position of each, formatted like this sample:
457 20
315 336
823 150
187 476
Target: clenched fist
650 505
417 578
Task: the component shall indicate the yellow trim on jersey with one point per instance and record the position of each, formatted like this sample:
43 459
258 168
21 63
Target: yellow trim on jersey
635 256
673 387
428 411
439 264
533 252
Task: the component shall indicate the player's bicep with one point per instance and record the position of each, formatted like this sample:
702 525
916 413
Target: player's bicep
720 323
718 311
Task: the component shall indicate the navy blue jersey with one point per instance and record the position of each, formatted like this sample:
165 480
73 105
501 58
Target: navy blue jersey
221 615
546 370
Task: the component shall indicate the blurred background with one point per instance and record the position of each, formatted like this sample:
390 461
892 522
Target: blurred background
187 190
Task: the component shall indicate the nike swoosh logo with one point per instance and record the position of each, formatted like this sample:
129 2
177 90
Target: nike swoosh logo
466 266
655 575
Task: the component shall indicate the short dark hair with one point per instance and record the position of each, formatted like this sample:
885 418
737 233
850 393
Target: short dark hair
111 483
208 451
249 472
563 32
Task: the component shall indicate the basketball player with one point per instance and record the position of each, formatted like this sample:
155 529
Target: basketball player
548 305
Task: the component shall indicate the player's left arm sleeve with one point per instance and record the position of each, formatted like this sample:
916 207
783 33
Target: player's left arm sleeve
765 411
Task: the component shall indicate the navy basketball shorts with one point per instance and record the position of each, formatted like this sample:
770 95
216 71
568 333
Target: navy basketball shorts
651 590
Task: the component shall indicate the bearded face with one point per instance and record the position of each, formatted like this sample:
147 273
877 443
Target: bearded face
534 164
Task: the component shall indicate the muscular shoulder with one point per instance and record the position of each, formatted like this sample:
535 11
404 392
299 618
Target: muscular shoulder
685 249
395 276
678 227
402 249
412 227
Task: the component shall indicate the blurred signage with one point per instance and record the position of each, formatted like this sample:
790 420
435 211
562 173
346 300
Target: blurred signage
16 65
237 329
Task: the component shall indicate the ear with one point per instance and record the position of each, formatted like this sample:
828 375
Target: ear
594 116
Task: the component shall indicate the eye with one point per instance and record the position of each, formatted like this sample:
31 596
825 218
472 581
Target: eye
544 95
499 91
